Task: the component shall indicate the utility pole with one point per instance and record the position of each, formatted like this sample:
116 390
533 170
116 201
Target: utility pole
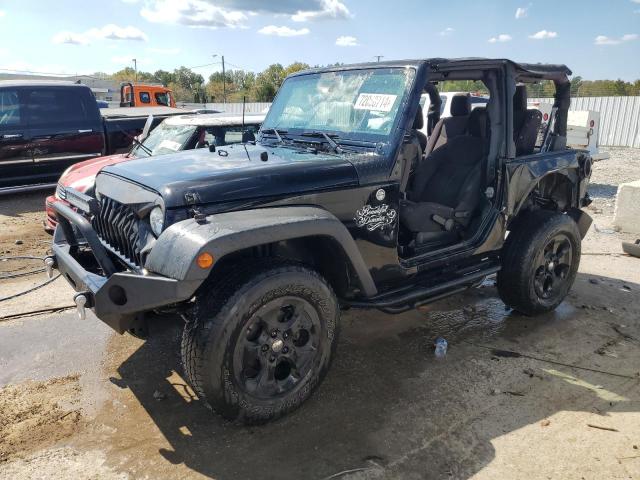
378 57
224 80
224 83
135 69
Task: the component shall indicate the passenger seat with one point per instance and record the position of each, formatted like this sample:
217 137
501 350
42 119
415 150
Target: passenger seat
526 123
452 126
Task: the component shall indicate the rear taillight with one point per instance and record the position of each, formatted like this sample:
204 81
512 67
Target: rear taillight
592 123
545 117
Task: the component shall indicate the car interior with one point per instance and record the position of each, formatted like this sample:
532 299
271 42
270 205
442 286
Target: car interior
449 191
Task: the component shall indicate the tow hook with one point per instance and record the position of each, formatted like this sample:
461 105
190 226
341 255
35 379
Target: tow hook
81 302
49 265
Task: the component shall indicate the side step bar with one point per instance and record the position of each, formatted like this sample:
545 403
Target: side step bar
406 299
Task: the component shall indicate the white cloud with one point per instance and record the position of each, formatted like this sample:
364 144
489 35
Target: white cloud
283 31
447 31
163 51
522 12
604 40
108 32
347 41
193 13
70 38
2 13
114 32
329 9
503 37
543 35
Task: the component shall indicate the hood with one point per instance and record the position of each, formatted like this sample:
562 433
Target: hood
237 172
82 175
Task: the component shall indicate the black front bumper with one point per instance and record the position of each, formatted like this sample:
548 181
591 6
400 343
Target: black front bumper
115 297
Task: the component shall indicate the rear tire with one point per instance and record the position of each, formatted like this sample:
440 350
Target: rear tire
540 261
260 340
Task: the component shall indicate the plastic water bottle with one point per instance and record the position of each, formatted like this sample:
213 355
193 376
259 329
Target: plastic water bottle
441 347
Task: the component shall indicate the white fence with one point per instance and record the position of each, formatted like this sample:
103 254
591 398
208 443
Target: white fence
250 107
619 118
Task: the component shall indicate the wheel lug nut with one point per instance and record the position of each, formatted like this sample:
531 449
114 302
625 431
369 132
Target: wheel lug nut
265 347
274 334
285 335
272 358
285 350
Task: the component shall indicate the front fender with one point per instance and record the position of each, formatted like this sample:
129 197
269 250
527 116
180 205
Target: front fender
176 250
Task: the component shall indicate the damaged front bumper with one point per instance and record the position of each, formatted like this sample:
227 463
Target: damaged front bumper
116 297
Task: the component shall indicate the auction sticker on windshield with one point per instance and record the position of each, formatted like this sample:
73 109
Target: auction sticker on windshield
379 102
170 145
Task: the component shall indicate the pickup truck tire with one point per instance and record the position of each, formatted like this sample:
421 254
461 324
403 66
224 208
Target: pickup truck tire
260 339
539 262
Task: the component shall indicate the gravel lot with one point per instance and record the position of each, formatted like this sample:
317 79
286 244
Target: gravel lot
79 401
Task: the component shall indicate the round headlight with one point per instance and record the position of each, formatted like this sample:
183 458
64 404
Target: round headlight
156 220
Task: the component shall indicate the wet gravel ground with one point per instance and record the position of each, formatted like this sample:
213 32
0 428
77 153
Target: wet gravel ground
622 166
556 396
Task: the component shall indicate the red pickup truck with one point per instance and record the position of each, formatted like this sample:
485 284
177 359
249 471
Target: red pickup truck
47 126
182 132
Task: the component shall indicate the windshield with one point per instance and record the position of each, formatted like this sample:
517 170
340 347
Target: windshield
356 104
165 139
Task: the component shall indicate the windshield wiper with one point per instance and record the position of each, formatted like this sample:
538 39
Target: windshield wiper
143 146
276 132
135 140
318 133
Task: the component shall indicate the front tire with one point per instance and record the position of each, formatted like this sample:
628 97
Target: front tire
539 262
257 344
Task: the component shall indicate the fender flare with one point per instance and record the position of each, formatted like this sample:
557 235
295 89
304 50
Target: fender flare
175 251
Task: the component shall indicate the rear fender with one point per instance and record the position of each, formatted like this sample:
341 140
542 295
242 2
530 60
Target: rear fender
175 251
553 169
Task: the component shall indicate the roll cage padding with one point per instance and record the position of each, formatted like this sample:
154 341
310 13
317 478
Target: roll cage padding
435 104
175 251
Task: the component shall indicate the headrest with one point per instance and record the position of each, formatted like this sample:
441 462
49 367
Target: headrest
418 122
520 99
460 105
478 124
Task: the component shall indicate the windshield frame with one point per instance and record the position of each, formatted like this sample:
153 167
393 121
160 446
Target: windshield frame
340 135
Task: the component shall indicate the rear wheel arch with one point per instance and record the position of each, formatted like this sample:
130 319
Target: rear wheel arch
554 192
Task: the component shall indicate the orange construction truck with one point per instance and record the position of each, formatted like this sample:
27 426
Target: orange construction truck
143 95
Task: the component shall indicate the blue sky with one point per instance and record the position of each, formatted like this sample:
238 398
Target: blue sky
595 38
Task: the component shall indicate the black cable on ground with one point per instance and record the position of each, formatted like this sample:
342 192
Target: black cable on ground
4 276
513 354
19 294
33 313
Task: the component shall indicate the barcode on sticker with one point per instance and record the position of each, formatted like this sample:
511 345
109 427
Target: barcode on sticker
379 102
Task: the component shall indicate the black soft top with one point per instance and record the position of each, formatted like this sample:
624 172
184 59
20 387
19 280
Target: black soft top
524 71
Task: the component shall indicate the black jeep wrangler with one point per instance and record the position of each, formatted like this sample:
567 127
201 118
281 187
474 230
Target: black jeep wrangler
342 202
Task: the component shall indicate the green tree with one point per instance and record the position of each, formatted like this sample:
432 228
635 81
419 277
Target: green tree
163 77
268 82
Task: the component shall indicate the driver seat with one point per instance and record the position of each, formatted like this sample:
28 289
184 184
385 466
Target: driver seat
447 186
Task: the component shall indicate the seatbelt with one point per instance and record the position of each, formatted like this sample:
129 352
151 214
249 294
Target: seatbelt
407 163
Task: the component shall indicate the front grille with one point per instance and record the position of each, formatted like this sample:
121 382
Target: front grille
117 226
61 192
